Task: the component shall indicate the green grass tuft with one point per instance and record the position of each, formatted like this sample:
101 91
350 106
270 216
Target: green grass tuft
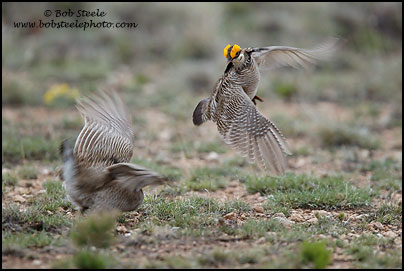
9 179
213 146
214 258
28 172
16 148
85 259
258 228
389 214
30 240
89 260
340 135
95 230
43 211
53 199
206 178
386 174
303 191
316 254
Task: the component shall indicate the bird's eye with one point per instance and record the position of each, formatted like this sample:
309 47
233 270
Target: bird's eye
238 53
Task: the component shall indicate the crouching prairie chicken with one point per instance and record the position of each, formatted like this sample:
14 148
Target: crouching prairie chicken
232 104
96 174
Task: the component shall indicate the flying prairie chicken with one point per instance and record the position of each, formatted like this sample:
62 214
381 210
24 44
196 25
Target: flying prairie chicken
232 104
96 174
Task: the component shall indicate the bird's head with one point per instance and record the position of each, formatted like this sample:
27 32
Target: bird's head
235 54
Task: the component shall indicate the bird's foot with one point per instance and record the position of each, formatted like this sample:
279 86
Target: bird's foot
256 98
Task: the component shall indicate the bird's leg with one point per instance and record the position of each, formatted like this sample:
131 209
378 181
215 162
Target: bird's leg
256 98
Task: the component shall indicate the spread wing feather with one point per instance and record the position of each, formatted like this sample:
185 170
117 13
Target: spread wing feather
107 136
279 56
248 131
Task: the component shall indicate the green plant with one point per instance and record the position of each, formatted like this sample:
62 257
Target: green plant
95 230
316 254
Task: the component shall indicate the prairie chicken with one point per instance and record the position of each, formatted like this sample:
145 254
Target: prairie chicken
96 174
233 99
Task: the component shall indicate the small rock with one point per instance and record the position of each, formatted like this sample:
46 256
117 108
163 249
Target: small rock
284 221
322 213
300 162
296 217
18 198
270 196
364 154
36 262
353 235
279 215
390 234
212 156
271 234
313 220
45 171
121 229
258 209
377 225
261 240
165 135
230 216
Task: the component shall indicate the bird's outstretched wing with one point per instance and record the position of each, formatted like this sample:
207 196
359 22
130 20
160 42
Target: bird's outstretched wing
279 56
132 177
248 131
107 135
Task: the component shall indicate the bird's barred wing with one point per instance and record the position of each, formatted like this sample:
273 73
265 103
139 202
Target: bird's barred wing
132 177
279 56
254 136
107 135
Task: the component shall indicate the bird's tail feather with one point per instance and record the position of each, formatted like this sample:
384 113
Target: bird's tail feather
134 177
199 115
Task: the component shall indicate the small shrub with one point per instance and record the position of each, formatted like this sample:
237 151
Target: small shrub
95 230
90 260
316 253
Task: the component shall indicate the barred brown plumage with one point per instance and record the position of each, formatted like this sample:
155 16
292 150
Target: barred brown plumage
96 174
232 101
